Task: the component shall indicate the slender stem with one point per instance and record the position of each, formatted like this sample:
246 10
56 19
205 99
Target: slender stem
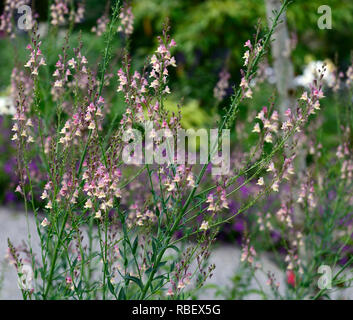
56 250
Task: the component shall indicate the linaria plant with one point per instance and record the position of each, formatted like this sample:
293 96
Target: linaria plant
314 251
111 228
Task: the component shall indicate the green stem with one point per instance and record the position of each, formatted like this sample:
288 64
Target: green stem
56 250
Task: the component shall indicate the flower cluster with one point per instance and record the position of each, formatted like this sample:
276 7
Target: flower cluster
160 61
179 285
140 217
245 86
219 92
349 75
307 194
248 253
19 78
67 194
102 24
344 154
64 68
265 222
101 185
271 281
89 118
36 57
278 175
135 89
58 10
217 201
249 56
284 215
182 177
270 124
126 16
80 13
293 262
22 126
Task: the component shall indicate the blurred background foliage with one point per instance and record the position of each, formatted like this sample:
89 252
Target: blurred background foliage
210 35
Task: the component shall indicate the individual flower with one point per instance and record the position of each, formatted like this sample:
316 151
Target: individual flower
45 222
204 225
260 181
256 128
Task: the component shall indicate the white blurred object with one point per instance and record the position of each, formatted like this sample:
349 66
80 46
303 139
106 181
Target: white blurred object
25 277
270 75
6 106
311 71
42 29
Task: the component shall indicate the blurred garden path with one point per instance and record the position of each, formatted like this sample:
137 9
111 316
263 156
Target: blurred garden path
13 225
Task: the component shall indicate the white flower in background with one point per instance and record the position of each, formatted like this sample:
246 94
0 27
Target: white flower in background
204 225
6 106
310 74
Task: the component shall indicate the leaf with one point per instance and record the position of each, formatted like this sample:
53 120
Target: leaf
162 276
111 287
135 279
174 248
155 246
122 295
161 264
134 246
157 212
172 266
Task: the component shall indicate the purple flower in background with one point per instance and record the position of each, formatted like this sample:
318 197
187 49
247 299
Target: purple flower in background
9 167
10 197
238 226
276 236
